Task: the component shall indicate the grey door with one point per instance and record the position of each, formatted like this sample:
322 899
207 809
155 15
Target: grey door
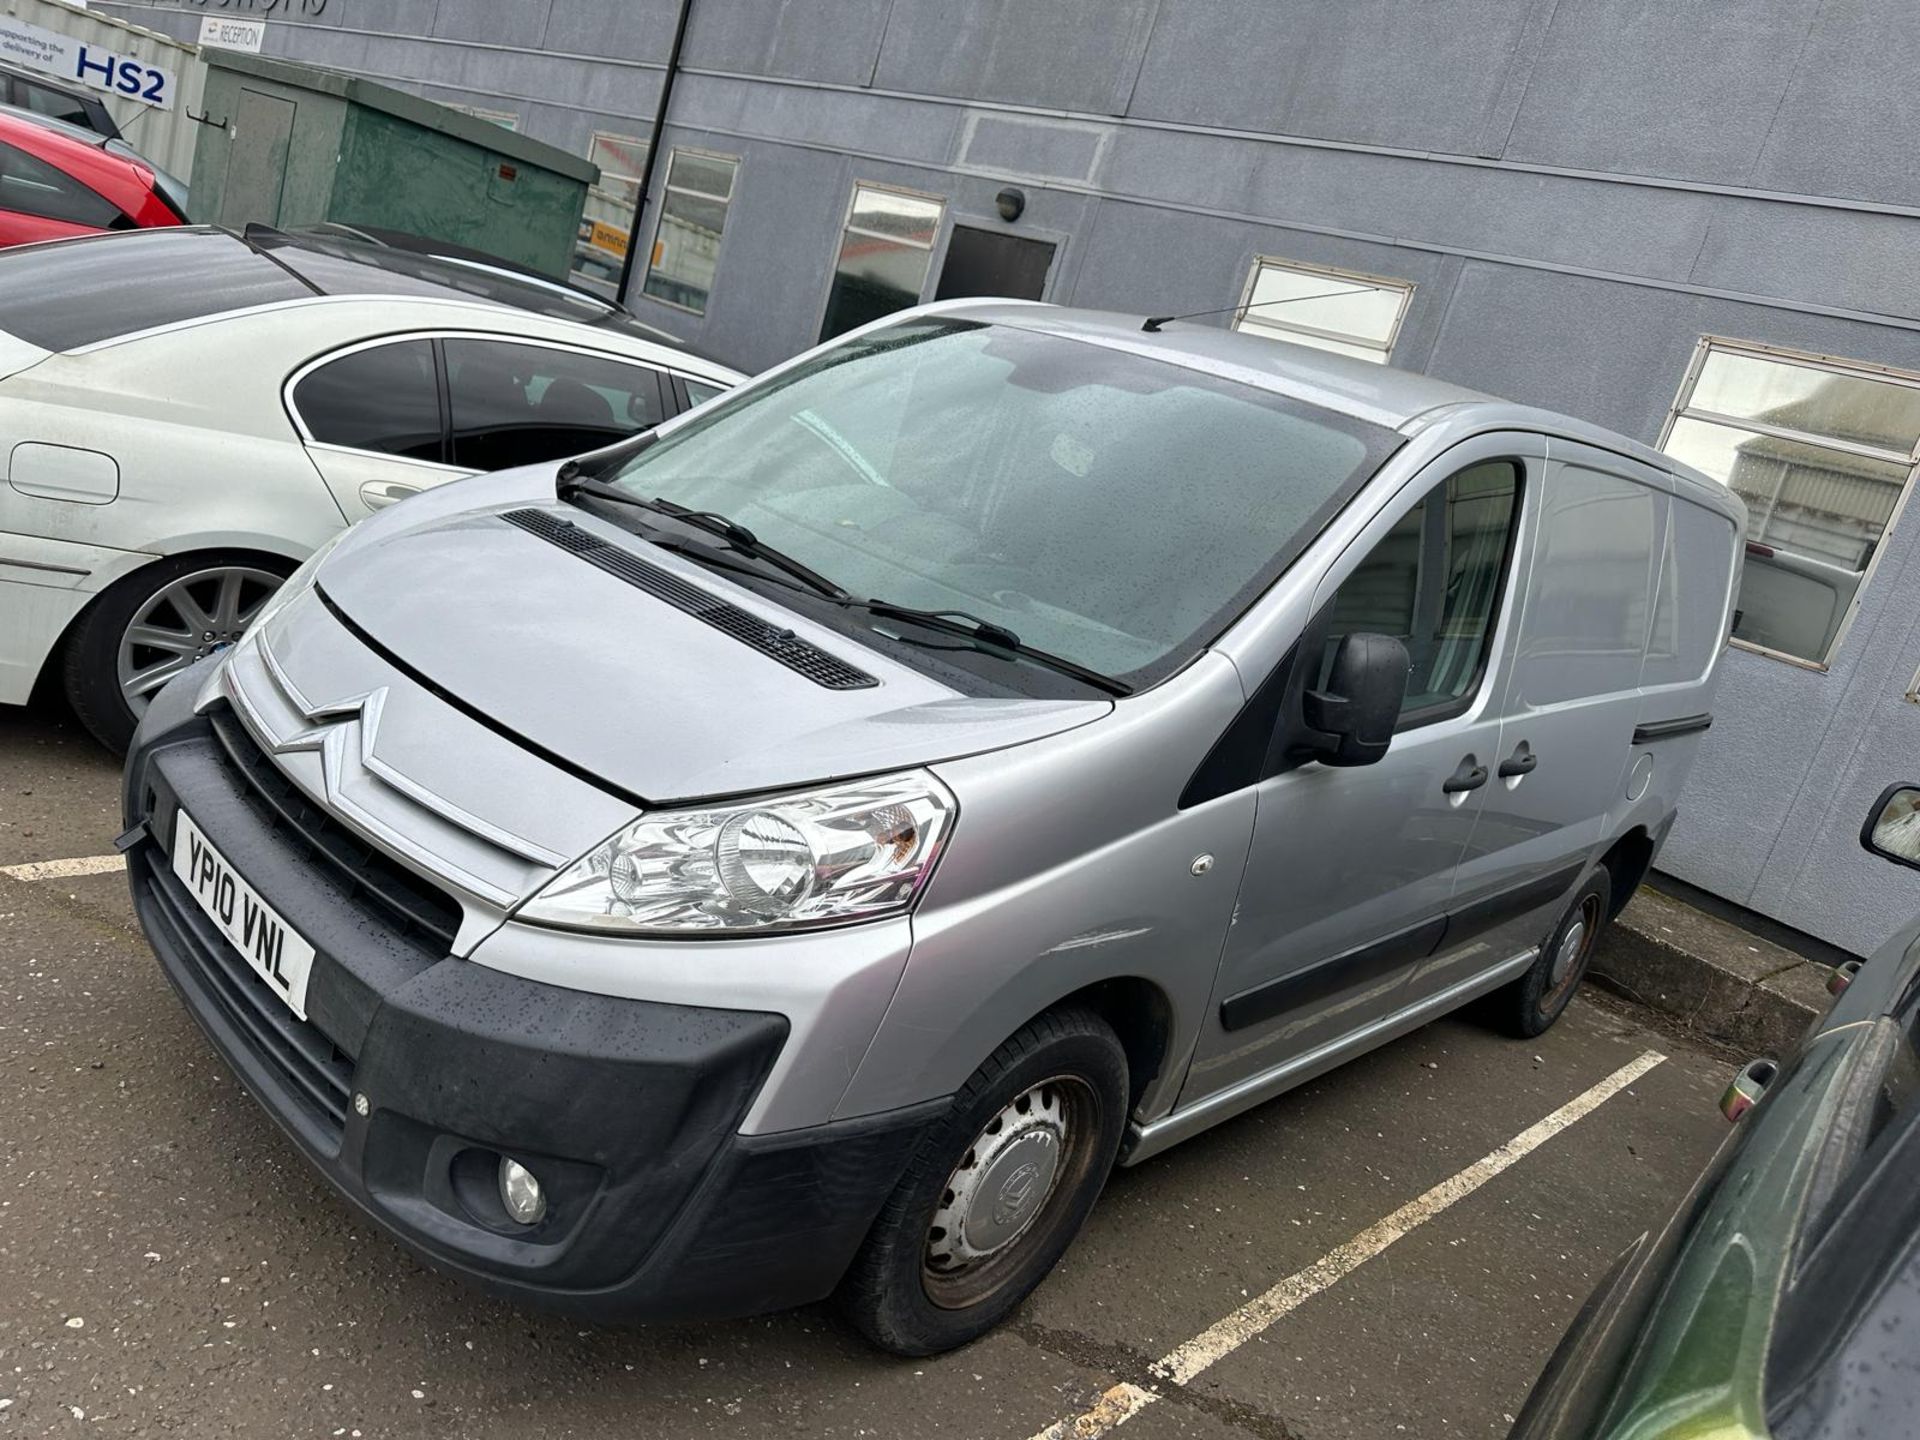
1352 871
989 262
1571 699
257 161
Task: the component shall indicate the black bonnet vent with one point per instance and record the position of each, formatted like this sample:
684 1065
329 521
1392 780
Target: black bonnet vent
799 656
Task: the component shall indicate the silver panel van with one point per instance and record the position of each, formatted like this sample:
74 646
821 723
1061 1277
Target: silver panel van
800 851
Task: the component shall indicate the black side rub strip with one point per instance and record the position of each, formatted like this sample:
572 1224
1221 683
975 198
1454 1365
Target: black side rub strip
1406 947
1329 977
1483 915
800 656
1669 729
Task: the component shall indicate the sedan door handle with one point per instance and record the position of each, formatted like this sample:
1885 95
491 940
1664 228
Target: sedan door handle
1470 776
1522 762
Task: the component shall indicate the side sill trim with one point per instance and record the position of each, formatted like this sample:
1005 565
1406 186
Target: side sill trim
1146 1141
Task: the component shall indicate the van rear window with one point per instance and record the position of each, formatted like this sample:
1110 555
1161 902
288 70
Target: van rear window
79 292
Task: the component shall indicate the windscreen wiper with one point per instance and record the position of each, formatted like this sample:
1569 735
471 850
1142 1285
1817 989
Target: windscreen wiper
991 638
738 537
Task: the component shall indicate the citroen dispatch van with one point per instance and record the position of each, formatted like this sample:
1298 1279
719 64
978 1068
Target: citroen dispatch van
803 849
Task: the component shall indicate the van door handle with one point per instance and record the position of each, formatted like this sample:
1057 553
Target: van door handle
1470 776
1522 762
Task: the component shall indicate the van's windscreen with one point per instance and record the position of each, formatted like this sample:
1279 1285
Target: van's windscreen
1107 507
79 292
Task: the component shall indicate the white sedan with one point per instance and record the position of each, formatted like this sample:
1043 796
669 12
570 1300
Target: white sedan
185 415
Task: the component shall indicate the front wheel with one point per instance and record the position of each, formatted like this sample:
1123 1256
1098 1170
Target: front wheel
1527 1006
996 1191
155 623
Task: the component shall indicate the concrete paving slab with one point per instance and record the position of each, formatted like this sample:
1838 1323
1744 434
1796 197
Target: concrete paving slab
1710 976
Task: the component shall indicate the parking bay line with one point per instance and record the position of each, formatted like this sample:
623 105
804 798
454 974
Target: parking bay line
1122 1402
65 869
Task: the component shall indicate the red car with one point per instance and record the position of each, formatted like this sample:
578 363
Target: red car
53 184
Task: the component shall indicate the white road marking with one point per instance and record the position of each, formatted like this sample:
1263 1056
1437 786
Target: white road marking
1122 1402
65 869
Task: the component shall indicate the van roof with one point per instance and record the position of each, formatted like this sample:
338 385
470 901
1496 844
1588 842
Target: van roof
1398 399
1360 388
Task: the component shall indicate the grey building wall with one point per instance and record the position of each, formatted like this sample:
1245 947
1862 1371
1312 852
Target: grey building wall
1578 193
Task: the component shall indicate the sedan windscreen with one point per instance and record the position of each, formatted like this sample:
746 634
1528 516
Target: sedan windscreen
1106 507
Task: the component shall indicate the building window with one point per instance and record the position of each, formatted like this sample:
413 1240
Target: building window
885 254
611 204
1337 310
1822 451
686 243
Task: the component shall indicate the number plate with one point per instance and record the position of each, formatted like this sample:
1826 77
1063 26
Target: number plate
267 942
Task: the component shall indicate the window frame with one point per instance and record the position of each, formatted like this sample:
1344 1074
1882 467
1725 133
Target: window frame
617 140
942 229
1241 315
667 187
437 338
1682 409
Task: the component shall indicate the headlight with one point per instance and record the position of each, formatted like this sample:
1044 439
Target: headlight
824 857
292 588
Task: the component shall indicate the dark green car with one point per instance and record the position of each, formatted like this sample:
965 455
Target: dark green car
1782 1301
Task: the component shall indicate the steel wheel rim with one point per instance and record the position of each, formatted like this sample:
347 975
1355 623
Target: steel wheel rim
1007 1194
184 621
1570 956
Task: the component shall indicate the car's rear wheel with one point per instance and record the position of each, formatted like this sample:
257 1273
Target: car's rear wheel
1527 1006
996 1191
155 623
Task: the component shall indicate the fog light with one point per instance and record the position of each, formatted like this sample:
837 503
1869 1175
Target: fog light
526 1202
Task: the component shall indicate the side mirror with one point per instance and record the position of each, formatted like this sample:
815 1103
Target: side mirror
1355 711
1892 830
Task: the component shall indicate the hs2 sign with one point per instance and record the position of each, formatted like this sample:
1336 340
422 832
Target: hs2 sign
97 66
104 70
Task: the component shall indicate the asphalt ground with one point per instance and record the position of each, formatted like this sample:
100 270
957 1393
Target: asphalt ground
1390 1251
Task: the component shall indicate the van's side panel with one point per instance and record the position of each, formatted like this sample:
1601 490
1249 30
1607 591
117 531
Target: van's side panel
1571 702
1693 614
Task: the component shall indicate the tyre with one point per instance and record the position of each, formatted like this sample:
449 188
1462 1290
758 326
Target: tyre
996 1191
1530 1004
147 628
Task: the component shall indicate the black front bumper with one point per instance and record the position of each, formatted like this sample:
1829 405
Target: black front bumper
628 1111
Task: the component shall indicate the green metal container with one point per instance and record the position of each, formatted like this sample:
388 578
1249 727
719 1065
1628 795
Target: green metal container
292 145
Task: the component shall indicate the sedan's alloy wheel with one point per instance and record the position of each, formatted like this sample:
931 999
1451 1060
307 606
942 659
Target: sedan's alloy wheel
185 621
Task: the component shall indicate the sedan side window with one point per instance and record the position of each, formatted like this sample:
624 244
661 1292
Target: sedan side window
525 404
1435 583
30 186
383 398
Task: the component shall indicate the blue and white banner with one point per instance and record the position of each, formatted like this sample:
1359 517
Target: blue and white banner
86 62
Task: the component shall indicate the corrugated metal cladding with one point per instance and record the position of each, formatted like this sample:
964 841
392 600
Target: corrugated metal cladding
1577 195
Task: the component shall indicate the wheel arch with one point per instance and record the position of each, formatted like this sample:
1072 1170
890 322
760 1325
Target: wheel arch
1628 862
285 557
